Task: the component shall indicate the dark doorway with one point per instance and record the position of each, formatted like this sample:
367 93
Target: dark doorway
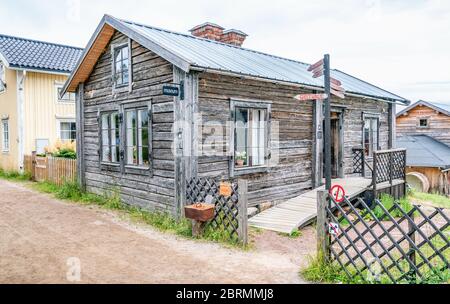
336 148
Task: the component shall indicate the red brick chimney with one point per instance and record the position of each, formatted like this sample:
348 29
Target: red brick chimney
208 30
215 32
234 37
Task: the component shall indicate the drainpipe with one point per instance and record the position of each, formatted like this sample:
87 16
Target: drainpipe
21 75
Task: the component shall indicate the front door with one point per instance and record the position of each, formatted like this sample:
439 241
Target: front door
336 145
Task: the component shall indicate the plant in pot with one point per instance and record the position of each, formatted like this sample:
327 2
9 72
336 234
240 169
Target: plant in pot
241 157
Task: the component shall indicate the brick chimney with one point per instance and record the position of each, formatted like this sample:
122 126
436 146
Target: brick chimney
208 30
215 32
234 37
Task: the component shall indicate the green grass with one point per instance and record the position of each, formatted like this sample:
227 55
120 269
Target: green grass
14 176
436 200
163 221
387 202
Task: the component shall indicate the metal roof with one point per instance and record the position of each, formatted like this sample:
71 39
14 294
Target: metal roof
217 56
38 55
440 107
425 151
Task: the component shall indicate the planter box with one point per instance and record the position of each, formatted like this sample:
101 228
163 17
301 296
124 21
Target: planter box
200 212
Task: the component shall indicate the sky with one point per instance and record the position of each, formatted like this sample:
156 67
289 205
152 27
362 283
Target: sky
402 46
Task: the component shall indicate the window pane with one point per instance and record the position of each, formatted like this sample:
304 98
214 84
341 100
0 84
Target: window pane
367 134
241 137
131 144
143 138
258 137
115 139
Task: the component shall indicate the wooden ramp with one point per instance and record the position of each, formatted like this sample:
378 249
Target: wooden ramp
301 210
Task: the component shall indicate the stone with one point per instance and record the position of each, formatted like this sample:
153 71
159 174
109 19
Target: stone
252 211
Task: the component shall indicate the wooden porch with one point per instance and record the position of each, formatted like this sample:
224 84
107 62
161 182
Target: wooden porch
388 176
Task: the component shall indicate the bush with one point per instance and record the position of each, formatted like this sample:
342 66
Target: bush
63 150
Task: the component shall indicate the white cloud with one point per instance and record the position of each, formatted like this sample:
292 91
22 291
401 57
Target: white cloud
402 46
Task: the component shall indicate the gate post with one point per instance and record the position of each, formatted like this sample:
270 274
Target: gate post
33 166
323 238
242 210
412 250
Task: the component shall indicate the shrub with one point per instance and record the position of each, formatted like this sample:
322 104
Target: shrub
62 149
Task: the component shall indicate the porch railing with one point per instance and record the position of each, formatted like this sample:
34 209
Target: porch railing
387 165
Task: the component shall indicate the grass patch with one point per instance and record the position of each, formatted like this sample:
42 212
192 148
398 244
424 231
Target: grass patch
14 175
387 202
295 234
437 200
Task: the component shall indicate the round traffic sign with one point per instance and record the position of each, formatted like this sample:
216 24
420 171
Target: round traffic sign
338 193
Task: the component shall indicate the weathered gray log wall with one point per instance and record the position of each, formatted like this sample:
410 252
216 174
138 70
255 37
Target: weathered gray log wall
149 73
291 175
353 125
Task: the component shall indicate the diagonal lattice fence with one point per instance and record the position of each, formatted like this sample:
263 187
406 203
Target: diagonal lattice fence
231 210
399 243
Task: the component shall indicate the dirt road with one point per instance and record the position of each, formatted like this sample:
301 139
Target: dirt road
44 240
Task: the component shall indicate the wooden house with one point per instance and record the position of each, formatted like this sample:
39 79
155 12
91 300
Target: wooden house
33 115
427 118
423 129
236 116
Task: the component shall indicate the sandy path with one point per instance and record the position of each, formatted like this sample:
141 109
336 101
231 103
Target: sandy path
39 235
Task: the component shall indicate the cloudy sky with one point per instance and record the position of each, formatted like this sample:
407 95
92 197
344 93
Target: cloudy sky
401 45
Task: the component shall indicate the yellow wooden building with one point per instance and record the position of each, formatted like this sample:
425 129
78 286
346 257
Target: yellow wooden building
33 115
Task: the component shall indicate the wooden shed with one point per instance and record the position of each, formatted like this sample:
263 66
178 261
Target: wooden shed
427 158
235 116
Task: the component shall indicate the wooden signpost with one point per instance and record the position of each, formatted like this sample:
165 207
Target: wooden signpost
304 97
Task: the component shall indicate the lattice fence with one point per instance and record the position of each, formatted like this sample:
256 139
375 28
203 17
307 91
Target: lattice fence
398 244
358 160
231 211
389 165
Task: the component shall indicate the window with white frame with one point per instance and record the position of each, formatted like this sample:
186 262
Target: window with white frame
110 134
137 137
67 131
68 97
5 135
2 77
250 134
121 66
371 135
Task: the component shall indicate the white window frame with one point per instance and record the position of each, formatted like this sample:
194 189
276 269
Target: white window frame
138 131
6 141
110 145
58 127
122 87
58 98
2 77
427 119
257 105
371 117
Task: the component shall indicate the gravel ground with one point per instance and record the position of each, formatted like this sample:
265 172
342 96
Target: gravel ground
44 240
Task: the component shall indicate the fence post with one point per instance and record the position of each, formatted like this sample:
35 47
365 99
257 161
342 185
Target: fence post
323 239
363 160
412 250
242 210
33 166
374 174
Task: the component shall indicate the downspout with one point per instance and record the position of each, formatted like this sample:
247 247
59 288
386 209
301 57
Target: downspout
21 75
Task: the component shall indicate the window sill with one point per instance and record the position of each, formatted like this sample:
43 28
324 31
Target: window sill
110 164
65 102
250 170
121 89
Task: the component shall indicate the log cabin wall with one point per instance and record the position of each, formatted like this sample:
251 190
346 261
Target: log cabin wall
149 72
293 174
438 124
354 108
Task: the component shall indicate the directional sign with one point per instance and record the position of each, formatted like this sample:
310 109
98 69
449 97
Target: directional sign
318 74
316 65
335 81
338 94
304 97
171 90
337 88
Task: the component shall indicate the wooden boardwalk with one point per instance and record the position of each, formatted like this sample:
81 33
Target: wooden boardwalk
301 210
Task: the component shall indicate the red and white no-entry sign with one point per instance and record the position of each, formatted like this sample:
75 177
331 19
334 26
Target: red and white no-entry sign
338 193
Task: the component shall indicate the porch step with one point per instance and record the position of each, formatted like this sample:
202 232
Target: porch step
302 210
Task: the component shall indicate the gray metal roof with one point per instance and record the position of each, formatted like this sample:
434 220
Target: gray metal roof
425 151
38 55
213 55
440 107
